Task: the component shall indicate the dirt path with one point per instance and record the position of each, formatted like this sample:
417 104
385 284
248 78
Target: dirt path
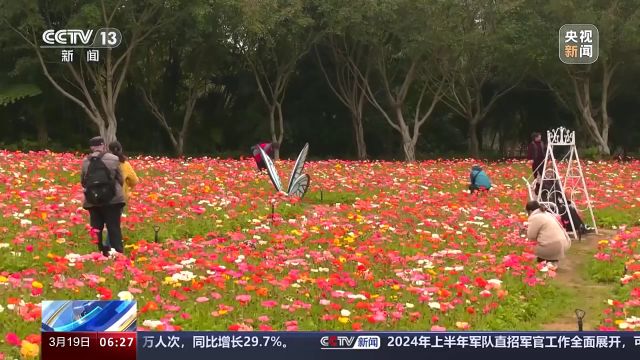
587 294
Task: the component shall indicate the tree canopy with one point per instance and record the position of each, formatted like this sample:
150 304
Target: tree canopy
388 79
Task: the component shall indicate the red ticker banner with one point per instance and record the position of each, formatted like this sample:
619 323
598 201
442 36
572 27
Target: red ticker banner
89 345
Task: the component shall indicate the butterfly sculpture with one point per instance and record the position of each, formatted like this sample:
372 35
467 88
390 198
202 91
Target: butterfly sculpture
298 183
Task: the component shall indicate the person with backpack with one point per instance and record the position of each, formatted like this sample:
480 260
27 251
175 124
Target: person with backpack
257 156
479 179
547 231
102 182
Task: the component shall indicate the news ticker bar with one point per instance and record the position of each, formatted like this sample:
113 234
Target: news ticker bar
344 345
89 345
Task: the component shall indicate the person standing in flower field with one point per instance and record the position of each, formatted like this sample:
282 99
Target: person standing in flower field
128 174
547 231
536 154
102 181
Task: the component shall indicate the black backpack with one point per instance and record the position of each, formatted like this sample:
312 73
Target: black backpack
100 186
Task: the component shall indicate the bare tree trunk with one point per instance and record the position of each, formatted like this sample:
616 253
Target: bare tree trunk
180 147
110 131
396 100
601 138
273 90
493 140
596 120
474 144
281 127
178 142
272 130
348 88
408 141
358 127
604 147
465 97
43 134
607 74
358 130
409 147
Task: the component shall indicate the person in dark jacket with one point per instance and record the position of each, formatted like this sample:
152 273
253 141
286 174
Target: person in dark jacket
108 215
257 156
536 153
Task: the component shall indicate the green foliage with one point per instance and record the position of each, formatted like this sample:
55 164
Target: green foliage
528 309
270 31
233 55
591 153
606 271
13 93
330 198
15 264
608 217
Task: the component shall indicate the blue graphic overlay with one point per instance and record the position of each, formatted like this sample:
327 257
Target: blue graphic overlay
89 316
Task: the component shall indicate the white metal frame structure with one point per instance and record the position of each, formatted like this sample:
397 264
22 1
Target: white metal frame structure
573 182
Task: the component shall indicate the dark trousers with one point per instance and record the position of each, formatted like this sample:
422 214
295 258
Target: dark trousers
108 216
537 169
261 165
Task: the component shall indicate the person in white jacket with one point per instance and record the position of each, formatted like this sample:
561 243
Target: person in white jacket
544 228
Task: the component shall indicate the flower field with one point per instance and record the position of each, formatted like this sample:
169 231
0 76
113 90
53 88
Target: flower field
373 246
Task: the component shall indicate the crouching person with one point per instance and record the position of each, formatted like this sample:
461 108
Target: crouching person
257 155
479 179
549 234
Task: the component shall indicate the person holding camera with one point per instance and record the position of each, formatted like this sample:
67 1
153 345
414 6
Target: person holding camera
549 234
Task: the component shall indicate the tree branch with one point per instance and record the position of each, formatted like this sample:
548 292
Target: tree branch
188 114
99 90
382 69
366 89
339 94
254 70
85 90
148 100
408 80
496 97
437 96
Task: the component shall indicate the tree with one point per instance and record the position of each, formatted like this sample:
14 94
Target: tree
346 84
272 36
93 87
484 69
587 90
12 93
346 56
406 53
21 80
179 67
